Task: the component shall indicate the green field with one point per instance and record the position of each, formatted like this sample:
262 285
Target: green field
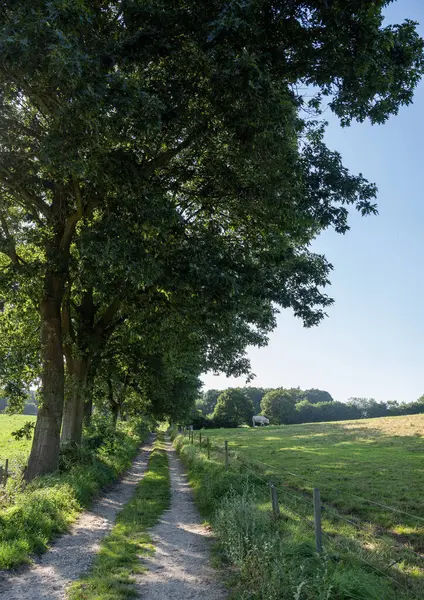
9 447
370 474
379 459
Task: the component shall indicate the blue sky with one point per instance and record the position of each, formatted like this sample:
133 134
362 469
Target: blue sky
372 343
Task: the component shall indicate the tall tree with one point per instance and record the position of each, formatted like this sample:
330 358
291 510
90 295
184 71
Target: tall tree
314 396
233 408
255 394
279 405
207 401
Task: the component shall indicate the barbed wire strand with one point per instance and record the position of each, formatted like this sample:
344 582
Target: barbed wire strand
359 526
380 504
303 477
371 565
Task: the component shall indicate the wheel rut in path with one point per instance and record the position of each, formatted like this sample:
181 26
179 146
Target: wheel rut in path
180 567
70 556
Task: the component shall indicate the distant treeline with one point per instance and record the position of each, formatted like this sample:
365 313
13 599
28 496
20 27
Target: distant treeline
236 406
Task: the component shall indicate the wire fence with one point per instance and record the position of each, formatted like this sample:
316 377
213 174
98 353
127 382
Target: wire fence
364 541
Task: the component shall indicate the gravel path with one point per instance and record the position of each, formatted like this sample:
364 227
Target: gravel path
71 555
179 568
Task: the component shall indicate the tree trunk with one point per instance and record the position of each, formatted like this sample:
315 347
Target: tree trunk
73 412
113 405
44 457
88 408
89 391
115 413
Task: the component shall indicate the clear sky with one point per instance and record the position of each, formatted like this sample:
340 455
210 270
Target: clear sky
372 343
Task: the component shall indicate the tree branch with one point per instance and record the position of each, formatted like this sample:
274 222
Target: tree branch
67 329
80 209
30 200
78 214
12 254
164 158
68 232
107 317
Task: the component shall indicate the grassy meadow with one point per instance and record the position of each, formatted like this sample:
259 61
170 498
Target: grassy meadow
370 474
381 460
9 447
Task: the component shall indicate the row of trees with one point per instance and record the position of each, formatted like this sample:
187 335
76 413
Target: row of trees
161 180
207 400
236 406
287 407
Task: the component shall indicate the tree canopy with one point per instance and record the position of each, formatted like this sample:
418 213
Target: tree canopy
233 408
278 405
314 396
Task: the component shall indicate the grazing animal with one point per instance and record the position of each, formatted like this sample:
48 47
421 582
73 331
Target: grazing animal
260 420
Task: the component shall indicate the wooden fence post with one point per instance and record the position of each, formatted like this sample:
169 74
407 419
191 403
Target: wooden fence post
208 444
6 470
274 501
226 455
192 436
200 439
317 520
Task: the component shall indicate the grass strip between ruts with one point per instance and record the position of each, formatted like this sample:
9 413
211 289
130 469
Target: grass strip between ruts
111 576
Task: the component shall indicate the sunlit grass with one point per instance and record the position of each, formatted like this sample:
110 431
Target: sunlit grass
9 447
276 558
377 459
112 575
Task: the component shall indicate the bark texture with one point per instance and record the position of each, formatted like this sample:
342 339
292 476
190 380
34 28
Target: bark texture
44 456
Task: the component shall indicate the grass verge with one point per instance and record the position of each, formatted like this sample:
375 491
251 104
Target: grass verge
275 559
31 517
111 575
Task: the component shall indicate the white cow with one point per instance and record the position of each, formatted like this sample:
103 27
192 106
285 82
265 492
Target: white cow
260 420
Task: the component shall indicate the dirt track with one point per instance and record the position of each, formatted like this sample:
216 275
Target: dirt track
180 567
